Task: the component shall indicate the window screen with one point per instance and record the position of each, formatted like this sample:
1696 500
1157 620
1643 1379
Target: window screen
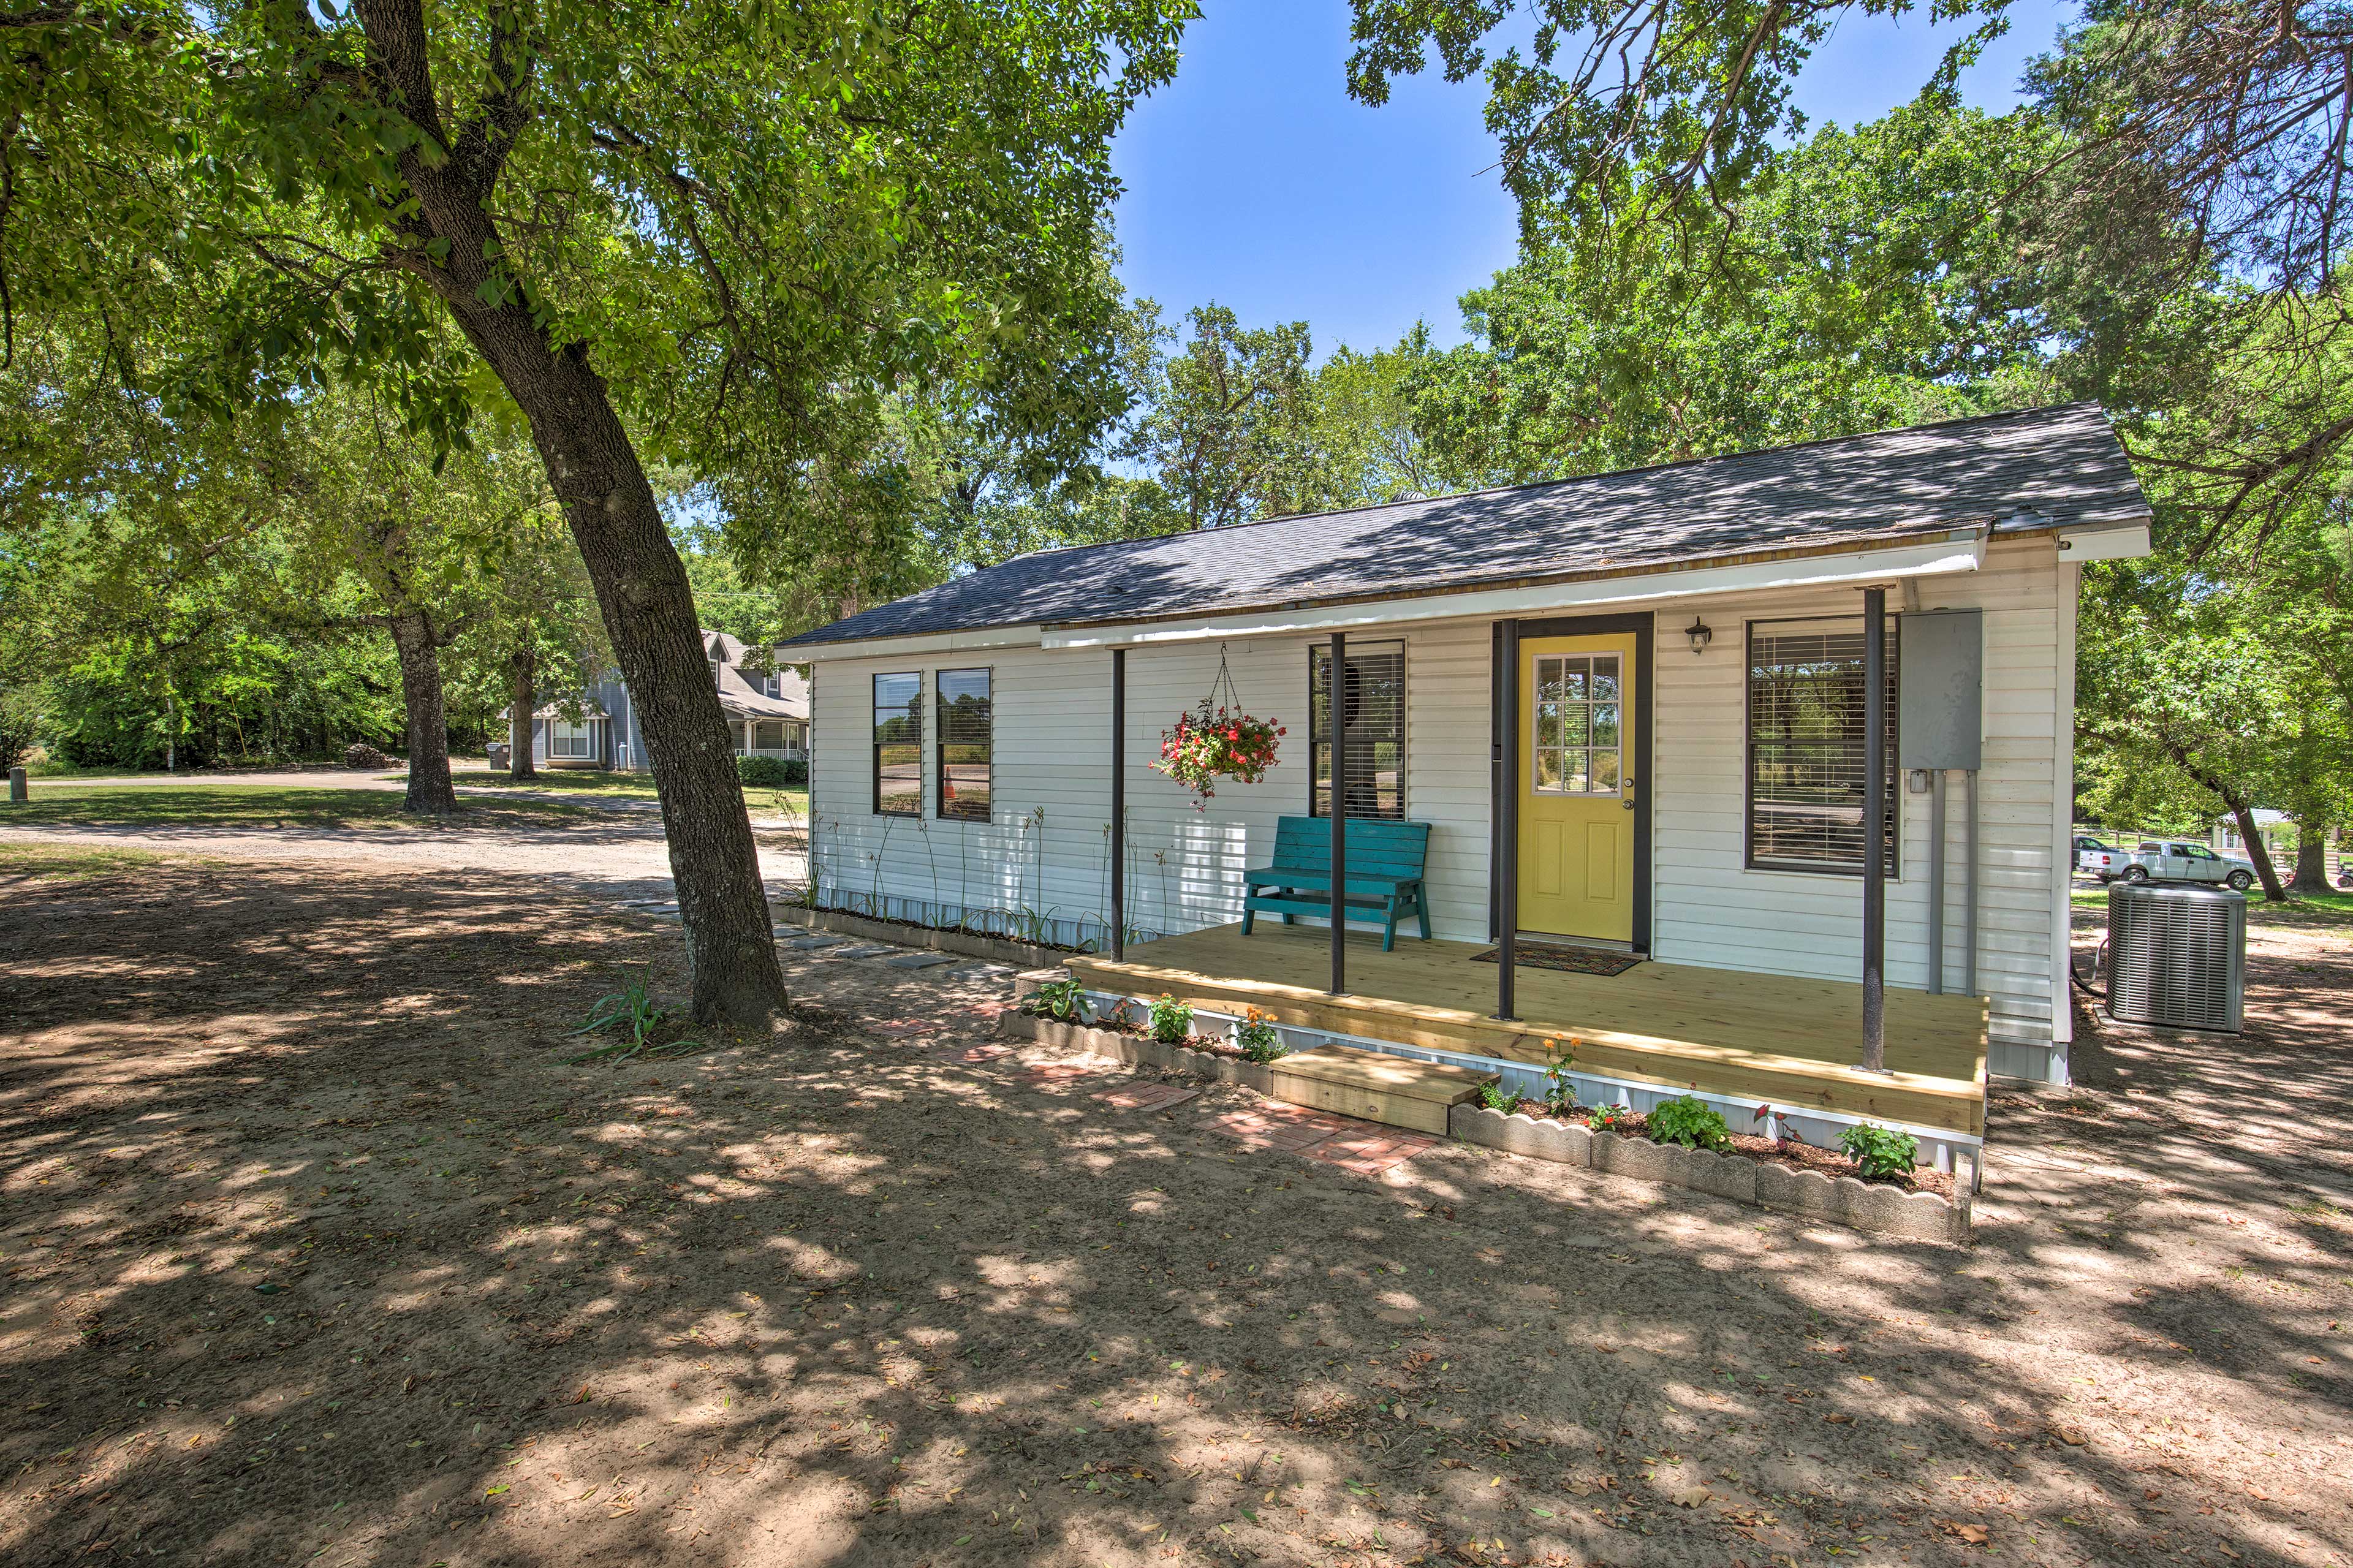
1372 729
1806 770
899 745
966 722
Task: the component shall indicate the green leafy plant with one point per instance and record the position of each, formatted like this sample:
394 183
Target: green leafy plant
1883 1154
632 1013
1065 1001
1495 1097
1259 1038
1559 1098
1171 1021
1609 1117
1685 1120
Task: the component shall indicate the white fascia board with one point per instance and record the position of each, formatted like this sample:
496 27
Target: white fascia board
929 646
2129 543
1962 549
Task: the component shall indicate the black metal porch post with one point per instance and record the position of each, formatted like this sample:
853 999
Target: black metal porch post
1874 830
1505 872
1118 803
1335 704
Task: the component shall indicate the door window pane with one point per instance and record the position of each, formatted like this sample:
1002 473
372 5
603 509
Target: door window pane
1577 741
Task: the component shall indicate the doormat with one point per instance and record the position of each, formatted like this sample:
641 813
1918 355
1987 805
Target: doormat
1572 960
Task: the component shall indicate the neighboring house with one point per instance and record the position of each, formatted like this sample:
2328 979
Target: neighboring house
1682 781
767 716
2279 835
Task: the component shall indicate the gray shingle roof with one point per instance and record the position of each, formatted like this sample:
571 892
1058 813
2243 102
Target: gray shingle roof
2062 463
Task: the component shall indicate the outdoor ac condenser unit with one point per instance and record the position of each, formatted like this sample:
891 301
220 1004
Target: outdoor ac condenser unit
2177 956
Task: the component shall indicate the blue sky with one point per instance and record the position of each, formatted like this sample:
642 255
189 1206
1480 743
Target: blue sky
1255 180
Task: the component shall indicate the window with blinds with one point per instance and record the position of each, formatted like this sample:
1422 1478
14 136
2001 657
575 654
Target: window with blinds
967 720
1372 729
899 745
1807 775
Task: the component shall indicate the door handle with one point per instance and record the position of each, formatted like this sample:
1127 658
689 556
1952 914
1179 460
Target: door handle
1626 795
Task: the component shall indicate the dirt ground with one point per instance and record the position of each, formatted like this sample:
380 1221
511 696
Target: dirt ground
316 1252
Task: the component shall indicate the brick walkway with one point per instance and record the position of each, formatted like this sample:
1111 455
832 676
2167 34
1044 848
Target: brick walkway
1146 1096
1364 1147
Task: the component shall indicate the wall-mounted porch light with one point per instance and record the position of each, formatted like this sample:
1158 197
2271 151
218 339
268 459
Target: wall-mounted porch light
1699 633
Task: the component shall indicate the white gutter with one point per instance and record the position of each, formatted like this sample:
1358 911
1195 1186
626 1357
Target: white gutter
2106 544
924 647
1961 550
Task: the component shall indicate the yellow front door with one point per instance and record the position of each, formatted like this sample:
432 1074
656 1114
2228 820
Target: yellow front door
1576 795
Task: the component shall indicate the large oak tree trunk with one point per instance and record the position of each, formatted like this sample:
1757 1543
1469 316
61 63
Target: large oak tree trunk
648 615
593 468
430 792
2311 860
521 668
2257 851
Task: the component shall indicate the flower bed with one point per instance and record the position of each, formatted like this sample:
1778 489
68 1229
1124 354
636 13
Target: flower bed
1879 1207
1794 1153
1789 1176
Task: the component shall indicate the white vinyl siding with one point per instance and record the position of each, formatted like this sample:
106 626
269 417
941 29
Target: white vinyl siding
1706 909
1045 847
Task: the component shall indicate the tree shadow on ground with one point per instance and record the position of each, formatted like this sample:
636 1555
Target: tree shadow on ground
317 1249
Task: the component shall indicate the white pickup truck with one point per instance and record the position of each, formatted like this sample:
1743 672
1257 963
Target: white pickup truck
2167 860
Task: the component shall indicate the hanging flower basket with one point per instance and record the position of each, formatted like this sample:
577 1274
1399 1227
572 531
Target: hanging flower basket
1207 744
1217 741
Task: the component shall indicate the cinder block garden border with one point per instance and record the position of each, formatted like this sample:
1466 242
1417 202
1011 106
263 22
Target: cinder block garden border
1137 1051
1873 1206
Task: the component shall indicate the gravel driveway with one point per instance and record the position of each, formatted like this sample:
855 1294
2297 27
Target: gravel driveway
615 848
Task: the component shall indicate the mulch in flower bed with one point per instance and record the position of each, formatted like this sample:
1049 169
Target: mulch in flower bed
1789 1152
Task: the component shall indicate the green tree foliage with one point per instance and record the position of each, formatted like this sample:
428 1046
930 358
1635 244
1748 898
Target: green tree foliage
1857 285
2156 227
723 232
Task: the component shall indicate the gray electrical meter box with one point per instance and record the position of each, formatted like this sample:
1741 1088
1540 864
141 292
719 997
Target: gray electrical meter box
1940 690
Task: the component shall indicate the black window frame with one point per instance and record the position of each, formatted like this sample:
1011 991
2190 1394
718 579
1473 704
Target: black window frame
1892 867
942 792
1321 652
914 715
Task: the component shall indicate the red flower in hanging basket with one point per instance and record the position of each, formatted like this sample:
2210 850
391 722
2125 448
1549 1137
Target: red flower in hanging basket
1206 745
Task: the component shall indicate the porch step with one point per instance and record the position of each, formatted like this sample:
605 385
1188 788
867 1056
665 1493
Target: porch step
1373 1086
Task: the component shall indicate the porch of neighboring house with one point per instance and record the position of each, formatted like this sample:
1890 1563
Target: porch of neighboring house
1743 1041
786 738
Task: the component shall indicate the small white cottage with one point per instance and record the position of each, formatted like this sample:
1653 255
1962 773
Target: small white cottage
1619 726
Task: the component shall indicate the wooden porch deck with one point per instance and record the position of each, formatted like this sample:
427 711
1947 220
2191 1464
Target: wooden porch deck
1761 1036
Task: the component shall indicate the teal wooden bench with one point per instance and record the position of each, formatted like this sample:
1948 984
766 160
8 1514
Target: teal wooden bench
1385 863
